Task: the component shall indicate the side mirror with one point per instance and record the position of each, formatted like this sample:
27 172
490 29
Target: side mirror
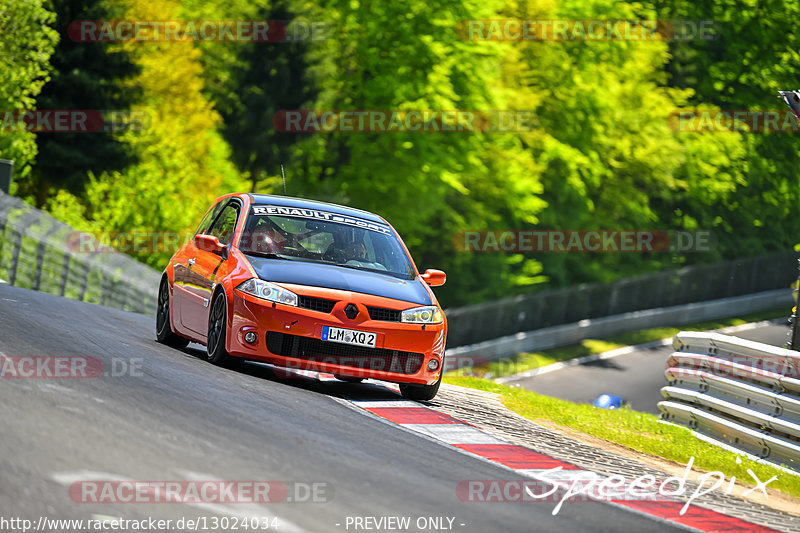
209 243
434 278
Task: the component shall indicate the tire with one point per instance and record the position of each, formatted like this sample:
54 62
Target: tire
420 393
217 334
164 333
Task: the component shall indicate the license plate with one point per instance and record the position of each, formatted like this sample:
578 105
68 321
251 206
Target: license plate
348 336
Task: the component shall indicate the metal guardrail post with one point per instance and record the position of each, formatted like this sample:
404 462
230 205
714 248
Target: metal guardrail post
62 287
12 276
41 249
794 341
6 173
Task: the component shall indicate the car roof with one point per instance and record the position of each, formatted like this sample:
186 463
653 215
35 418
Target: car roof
301 203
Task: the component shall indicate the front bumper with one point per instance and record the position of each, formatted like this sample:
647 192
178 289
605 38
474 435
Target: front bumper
291 337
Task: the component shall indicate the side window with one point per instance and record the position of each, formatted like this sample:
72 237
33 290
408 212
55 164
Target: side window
206 222
225 224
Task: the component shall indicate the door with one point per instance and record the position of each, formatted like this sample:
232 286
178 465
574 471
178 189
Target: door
181 267
201 270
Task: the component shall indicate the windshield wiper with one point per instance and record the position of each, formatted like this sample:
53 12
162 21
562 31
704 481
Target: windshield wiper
268 255
374 270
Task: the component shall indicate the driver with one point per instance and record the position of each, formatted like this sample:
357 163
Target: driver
337 251
356 251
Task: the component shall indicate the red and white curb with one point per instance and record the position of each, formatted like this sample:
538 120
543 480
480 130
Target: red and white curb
528 463
475 442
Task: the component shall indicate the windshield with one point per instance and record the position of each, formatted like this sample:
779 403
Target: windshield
318 236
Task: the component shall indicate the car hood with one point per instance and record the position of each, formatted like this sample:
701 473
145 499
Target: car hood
335 277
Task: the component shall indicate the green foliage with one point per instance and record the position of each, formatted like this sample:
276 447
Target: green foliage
429 185
184 162
86 76
754 55
601 153
611 160
249 82
26 44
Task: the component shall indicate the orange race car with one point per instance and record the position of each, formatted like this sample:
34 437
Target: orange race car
308 285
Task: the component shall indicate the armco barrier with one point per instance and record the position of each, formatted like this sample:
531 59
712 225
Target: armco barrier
34 255
600 328
672 288
740 394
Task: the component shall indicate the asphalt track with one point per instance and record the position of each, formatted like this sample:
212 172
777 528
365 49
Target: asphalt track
176 417
637 377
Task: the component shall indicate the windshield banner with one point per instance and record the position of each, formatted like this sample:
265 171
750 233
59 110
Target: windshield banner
313 214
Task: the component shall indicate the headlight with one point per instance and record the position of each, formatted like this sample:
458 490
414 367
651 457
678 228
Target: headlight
429 314
268 291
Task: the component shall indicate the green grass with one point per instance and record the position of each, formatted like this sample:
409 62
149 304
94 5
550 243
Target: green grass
634 430
529 361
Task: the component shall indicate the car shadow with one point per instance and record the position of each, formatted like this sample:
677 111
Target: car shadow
368 390
608 364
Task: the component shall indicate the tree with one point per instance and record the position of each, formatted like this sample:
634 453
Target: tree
753 54
26 44
250 82
86 76
611 160
430 185
183 161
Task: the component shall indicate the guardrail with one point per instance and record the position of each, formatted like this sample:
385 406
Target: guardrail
544 309
739 394
35 253
601 328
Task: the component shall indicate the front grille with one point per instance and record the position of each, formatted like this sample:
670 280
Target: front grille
342 354
316 304
382 313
